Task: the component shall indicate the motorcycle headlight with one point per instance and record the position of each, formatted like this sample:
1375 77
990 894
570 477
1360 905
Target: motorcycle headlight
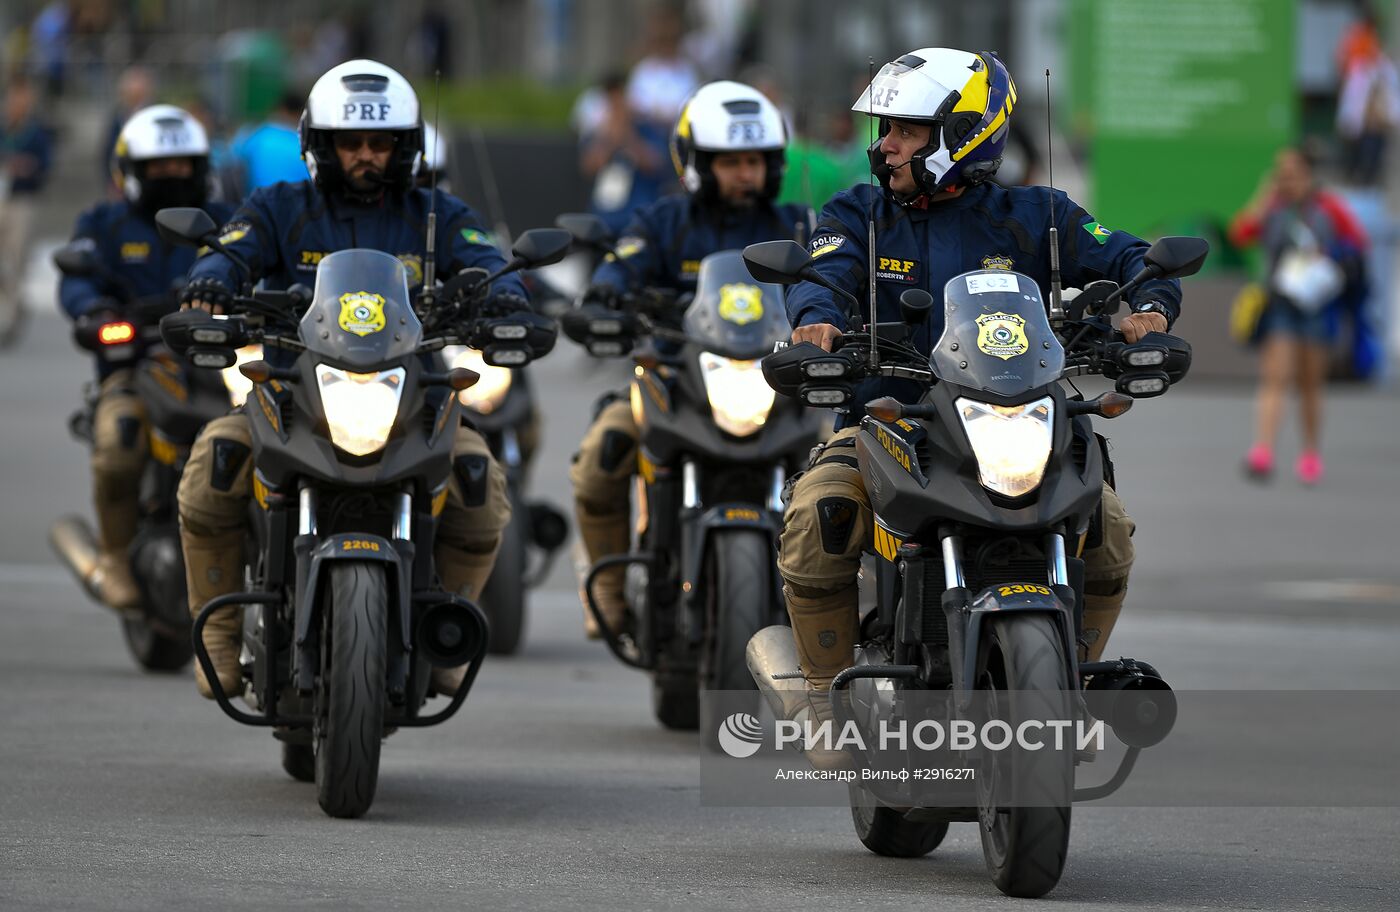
740 398
1011 443
487 394
360 408
239 386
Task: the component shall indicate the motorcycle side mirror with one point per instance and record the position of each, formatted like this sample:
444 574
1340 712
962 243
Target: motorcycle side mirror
915 305
780 262
185 226
77 258
1175 257
586 229
542 246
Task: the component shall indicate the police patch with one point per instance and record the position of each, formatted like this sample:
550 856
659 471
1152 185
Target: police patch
630 246
894 269
361 312
740 304
1002 335
825 244
1098 232
135 251
234 231
997 261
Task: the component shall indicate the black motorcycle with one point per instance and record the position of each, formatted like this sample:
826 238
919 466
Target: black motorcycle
716 450
179 400
501 405
976 488
352 458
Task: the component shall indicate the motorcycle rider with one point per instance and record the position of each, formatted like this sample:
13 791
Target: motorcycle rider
943 117
362 139
728 148
160 159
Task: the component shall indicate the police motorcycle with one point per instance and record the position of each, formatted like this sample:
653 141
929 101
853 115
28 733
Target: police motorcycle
501 405
716 450
179 400
976 489
344 616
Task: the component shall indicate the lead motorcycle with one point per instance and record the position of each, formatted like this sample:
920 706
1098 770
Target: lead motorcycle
352 445
179 400
976 487
716 450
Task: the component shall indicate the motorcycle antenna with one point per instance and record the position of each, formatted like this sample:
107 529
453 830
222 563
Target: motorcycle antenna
430 260
1057 306
870 229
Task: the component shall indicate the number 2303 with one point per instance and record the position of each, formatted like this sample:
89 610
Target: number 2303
1023 589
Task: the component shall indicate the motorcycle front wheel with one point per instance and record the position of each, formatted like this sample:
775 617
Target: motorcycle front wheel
1024 796
350 704
154 651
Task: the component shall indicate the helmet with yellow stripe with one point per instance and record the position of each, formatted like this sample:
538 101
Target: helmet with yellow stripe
966 99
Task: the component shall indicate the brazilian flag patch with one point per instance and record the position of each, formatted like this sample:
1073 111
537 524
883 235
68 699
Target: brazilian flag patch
472 236
1098 232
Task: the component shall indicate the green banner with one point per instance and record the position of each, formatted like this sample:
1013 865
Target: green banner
1183 105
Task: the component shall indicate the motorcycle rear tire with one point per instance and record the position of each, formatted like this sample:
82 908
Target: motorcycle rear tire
350 708
299 761
1025 847
503 596
154 651
887 832
739 591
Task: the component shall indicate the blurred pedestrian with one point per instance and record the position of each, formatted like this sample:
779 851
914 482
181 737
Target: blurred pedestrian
1368 109
136 89
1313 248
625 156
665 77
271 151
25 155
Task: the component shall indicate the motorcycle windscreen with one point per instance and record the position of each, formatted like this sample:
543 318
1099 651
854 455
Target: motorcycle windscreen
360 314
732 314
996 336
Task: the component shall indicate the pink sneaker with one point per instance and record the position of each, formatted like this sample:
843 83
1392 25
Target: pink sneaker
1259 463
1309 467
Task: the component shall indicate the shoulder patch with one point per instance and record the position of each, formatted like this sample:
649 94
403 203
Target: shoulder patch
234 231
1098 232
825 243
473 236
630 246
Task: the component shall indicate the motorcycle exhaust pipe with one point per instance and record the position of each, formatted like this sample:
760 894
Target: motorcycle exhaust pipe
1141 709
450 634
73 540
772 659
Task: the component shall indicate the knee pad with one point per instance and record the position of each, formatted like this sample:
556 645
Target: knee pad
616 447
473 477
228 459
836 518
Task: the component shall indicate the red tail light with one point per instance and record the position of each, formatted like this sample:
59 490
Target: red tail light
116 333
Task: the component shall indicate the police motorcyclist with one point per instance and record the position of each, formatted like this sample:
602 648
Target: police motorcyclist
943 118
362 140
728 148
160 159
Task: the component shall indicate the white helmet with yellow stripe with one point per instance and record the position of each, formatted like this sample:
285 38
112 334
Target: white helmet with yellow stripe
966 98
723 117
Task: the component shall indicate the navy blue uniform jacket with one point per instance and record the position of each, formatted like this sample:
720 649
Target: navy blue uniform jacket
988 226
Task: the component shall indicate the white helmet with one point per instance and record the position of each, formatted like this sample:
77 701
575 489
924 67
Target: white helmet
361 95
161 131
965 98
727 117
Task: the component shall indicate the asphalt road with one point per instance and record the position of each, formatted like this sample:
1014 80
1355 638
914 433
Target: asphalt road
555 789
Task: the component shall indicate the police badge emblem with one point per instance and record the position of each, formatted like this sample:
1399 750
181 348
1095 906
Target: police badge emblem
1002 335
361 312
740 304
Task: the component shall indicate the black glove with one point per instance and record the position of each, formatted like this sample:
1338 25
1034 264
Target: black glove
210 290
507 302
604 296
